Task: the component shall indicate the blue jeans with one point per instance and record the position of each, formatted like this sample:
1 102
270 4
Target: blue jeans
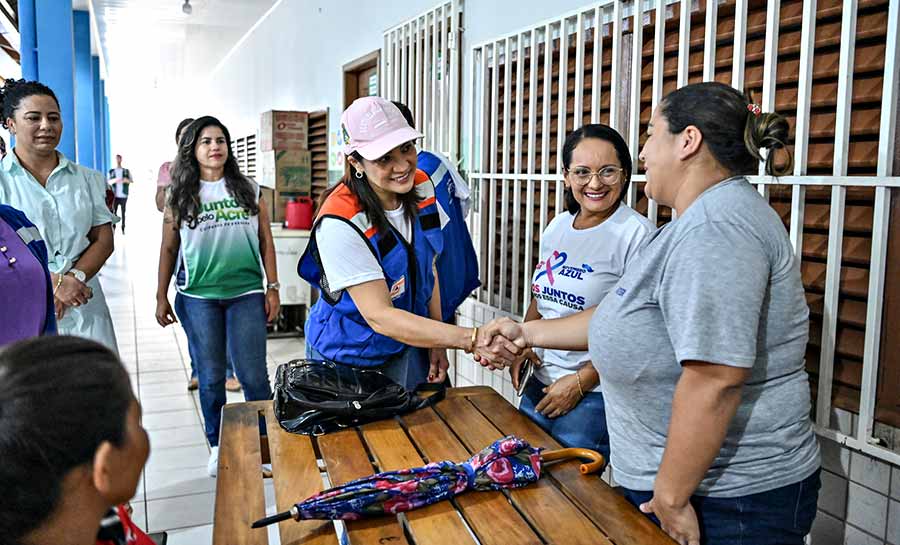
776 517
229 369
408 368
219 330
582 427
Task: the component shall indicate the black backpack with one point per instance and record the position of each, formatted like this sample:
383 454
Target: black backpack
314 397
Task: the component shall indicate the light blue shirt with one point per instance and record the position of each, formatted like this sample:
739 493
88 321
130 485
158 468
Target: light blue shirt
65 210
73 201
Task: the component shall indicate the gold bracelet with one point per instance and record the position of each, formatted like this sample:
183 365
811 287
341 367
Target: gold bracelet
580 389
474 337
59 280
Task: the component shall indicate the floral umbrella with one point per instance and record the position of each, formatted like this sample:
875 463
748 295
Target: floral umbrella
509 462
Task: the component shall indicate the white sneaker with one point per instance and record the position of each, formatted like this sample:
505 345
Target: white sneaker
212 466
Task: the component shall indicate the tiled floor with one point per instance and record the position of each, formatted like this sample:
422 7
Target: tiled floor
175 494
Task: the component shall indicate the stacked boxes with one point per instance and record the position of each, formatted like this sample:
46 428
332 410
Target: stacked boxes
285 161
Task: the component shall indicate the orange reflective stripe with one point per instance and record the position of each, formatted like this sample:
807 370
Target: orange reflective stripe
341 203
427 202
421 176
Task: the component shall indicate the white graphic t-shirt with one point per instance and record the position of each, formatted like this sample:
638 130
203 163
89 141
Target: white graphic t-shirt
219 258
575 270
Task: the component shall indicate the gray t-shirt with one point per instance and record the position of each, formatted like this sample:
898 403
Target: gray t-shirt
721 284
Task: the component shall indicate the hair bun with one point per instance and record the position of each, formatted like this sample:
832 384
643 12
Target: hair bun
769 131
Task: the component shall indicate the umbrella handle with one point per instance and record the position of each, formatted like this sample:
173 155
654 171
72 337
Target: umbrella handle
594 465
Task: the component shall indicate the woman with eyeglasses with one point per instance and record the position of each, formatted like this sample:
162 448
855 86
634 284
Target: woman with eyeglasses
583 253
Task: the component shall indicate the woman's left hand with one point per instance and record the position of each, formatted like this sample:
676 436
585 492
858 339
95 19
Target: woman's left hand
437 371
273 305
560 397
679 522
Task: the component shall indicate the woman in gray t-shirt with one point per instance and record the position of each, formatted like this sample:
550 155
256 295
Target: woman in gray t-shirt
701 343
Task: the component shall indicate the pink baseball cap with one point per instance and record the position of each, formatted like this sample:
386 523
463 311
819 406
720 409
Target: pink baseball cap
373 126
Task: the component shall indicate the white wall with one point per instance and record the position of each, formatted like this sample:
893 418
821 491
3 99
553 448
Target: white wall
294 59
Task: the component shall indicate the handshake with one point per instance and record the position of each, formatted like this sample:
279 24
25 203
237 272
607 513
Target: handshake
501 343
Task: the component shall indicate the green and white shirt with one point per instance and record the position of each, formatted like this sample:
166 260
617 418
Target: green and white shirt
219 258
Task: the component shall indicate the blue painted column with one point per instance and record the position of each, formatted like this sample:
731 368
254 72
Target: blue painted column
28 39
109 150
98 114
56 63
104 151
84 89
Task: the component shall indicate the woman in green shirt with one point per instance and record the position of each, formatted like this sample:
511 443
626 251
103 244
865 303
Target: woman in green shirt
67 204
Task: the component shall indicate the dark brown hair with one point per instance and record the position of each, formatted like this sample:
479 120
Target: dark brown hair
184 193
734 134
600 132
60 399
368 199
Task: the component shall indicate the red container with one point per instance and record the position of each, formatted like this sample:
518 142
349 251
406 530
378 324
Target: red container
298 213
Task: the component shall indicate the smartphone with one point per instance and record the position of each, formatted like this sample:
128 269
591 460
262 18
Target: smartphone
526 371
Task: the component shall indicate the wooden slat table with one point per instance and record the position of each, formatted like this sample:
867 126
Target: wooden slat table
564 507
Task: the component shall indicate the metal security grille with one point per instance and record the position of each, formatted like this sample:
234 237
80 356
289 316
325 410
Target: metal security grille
420 67
830 66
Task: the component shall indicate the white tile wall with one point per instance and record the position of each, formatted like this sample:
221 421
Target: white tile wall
835 458
826 530
895 483
833 495
855 536
870 472
893 527
867 509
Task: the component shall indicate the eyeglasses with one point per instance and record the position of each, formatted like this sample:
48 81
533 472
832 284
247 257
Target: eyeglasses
607 175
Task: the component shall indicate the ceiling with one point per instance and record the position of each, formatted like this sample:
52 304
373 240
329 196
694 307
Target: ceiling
153 43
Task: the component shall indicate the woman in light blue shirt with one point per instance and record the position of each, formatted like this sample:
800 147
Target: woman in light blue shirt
67 204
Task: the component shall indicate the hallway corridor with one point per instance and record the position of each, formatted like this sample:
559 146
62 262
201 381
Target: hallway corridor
175 494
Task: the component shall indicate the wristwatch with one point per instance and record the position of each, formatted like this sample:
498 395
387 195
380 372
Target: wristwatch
273 286
79 275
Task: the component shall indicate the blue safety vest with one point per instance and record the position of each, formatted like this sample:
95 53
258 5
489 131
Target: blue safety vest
457 266
336 329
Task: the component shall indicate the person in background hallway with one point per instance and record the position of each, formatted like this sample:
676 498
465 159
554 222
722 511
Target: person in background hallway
67 204
583 253
63 470
701 343
457 265
25 280
216 234
164 177
163 181
372 257
120 179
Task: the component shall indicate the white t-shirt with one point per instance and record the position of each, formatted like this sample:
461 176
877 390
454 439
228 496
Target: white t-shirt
347 258
576 268
120 186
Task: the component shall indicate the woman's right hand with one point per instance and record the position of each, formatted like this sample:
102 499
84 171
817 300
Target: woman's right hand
527 354
70 293
499 343
164 314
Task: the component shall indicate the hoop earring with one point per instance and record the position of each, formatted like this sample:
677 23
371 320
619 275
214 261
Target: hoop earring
359 175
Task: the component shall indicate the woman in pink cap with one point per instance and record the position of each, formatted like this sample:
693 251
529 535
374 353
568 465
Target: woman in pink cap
371 256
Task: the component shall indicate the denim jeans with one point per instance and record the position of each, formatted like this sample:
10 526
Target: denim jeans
229 369
219 330
408 368
776 517
582 427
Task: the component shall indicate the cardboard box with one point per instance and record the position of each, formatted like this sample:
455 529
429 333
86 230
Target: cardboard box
281 130
268 194
287 171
